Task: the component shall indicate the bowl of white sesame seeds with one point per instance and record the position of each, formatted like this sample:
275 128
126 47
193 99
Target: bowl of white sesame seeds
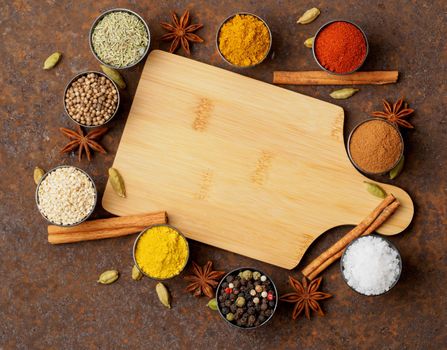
66 196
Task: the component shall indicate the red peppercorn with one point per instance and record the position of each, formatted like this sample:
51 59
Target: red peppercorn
270 296
228 290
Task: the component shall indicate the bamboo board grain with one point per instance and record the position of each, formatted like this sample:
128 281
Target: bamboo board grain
239 164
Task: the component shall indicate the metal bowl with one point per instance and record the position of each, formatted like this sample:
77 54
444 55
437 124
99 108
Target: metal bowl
77 77
135 247
392 246
316 38
349 148
45 175
119 10
235 272
230 17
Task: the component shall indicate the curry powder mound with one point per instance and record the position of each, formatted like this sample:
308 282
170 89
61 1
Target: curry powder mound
244 40
161 252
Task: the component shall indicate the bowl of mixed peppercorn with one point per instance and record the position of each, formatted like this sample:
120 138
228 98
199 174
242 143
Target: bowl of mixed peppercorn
246 298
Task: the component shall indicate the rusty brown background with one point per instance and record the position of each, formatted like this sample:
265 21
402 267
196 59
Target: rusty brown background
49 298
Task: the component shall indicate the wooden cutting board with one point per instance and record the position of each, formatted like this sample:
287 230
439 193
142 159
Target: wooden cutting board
239 164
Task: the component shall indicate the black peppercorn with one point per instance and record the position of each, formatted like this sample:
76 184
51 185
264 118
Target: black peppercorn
236 283
251 314
251 320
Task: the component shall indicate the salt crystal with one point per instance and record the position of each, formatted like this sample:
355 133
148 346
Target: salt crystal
371 266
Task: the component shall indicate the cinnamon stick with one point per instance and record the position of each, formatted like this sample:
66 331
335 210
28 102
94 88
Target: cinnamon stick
351 235
104 228
384 215
324 78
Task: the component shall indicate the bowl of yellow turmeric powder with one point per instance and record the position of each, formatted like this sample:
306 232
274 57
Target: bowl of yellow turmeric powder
244 40
161 252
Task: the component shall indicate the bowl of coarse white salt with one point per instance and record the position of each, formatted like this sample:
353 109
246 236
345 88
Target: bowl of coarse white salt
371 265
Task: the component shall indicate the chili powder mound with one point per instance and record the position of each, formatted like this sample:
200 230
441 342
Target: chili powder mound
375 146
340 47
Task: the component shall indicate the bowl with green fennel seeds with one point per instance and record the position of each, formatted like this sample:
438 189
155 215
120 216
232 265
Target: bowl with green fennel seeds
119 38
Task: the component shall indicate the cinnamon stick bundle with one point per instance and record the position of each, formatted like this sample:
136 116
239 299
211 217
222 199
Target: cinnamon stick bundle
374 220
324 78
104 228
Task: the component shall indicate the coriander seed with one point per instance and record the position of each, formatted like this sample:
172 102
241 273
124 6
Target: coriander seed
91 99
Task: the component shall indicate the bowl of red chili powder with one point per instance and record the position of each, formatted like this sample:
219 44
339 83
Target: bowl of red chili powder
340 47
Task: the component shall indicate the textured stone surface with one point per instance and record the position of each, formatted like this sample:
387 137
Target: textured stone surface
49 298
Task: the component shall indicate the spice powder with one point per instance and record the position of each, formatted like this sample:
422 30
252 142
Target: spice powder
161 252
244 40
375 146
340 47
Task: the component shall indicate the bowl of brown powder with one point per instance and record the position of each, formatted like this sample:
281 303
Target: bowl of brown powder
375 146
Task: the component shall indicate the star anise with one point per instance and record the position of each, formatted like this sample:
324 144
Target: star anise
203 280
305 296
394 113
83 142
181 32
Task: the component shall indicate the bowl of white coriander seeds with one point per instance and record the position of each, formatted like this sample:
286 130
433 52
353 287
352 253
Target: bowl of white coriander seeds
91 99
66 196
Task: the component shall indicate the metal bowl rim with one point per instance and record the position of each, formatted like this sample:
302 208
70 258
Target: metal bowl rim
135 246
119 9
226 20
392 246
79 75
36 196
315 40
349 148
251 269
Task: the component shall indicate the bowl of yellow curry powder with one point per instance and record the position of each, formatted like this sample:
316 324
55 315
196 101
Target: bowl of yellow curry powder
161 252
244 40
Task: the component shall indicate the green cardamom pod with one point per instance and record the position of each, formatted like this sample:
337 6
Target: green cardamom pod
117 182
114 75
375 190
38 173
136 273
343 93
52 60
108 277
397 169
212 304
309 42
163 294
309 16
